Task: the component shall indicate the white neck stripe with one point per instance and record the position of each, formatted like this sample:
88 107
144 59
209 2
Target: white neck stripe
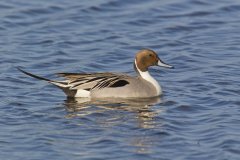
145 75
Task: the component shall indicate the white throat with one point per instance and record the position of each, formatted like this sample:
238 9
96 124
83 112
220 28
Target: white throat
146 75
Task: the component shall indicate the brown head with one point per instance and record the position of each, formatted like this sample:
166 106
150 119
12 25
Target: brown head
146 58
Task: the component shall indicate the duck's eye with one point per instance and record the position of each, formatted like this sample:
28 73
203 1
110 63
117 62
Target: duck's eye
150 55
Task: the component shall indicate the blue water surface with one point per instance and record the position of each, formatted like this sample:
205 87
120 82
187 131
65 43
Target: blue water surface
197 118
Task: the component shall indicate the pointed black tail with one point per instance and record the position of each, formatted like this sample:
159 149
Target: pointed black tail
57 83
34 76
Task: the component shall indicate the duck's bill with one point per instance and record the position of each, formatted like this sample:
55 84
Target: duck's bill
162 64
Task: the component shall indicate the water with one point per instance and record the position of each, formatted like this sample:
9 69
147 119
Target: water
197 118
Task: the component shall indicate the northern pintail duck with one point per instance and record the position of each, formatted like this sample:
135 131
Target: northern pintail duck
103 85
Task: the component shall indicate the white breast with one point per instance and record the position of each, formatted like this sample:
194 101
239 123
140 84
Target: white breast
146 75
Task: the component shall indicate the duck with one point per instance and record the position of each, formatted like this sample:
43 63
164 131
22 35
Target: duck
115 85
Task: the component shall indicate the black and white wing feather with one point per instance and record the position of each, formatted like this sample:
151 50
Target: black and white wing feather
94 80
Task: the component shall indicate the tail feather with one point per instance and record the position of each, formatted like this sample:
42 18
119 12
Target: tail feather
34 76
57 83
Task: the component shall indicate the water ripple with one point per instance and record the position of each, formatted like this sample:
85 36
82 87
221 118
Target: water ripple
196 118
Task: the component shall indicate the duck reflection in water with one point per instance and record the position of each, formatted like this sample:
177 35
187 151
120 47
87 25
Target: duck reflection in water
134 114
112 109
